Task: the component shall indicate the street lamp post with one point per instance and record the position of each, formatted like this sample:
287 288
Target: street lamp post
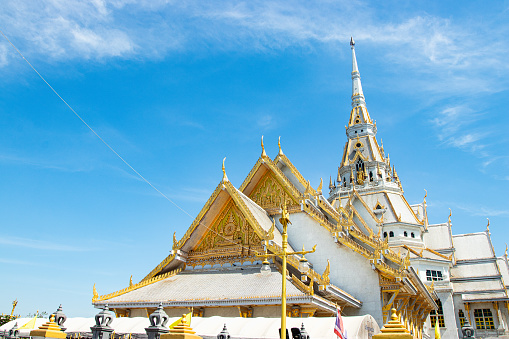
303 264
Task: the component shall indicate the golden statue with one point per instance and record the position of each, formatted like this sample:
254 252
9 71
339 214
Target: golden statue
360 177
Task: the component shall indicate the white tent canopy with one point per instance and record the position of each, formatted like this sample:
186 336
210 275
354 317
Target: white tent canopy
361 327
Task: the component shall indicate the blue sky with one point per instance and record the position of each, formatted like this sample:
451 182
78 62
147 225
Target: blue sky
175 86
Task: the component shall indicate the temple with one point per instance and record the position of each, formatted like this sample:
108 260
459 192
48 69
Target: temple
374 250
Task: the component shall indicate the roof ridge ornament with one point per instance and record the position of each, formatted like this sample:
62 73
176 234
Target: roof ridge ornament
279 145
225 178
263 149
488 226
357 94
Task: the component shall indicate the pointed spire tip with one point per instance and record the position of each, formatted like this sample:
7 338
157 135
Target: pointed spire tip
352 43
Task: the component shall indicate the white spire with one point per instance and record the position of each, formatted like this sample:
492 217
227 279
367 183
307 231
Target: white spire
357 94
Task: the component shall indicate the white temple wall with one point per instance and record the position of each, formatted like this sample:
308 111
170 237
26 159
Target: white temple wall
349 270
451 329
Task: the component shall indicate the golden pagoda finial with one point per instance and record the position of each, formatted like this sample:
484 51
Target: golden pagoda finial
331 186
131 281
308 189
319 189
407 260
488 226
450 214
263 149
279 145
339 176
95 294
225 178
425 195
382 143
505 250
175 242
325 275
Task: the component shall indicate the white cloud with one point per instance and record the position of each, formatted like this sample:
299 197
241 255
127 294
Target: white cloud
40 244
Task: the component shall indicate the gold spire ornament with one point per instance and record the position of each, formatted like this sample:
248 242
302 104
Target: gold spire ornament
263 149
450 214
225 178
175 243
95 294
131 281
319 189
279 145
505 250
488 226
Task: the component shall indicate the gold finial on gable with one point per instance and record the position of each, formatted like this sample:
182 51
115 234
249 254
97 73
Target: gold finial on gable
225 178
325 275
505 250
95 295
425 195
263 149
450 214
175 243
308 189
270 234
279 145
319 189
488 226
131 281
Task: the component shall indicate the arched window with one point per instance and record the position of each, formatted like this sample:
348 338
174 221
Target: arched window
405 234
370 176
412 235
391 234
359 165
385 234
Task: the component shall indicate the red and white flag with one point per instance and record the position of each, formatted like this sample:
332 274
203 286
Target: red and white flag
339 328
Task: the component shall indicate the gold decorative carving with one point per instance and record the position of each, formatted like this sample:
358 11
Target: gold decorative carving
325 275
270 193
229 235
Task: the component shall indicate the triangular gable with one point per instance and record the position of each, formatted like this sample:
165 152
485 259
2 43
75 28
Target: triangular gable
269 187
293 175
227 222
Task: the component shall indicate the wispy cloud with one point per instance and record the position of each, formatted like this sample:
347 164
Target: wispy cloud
446 49
17 262
40 244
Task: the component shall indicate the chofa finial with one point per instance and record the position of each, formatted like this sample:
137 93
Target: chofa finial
279 145
263 149
225 178
450 214
352 43
488 226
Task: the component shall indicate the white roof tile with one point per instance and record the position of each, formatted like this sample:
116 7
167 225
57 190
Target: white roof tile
209 284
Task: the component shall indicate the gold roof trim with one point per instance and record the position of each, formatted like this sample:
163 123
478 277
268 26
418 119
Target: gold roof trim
278 174
293 169
136 286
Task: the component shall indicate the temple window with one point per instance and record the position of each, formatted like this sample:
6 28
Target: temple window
432 275
461 316
359 165
391 234
370 176
412 235
405 234
440 314
385 234
483 319
378 206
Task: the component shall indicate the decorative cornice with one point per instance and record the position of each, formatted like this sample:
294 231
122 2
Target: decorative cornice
136 286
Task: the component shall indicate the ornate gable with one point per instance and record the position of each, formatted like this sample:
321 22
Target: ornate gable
230 238
270 194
